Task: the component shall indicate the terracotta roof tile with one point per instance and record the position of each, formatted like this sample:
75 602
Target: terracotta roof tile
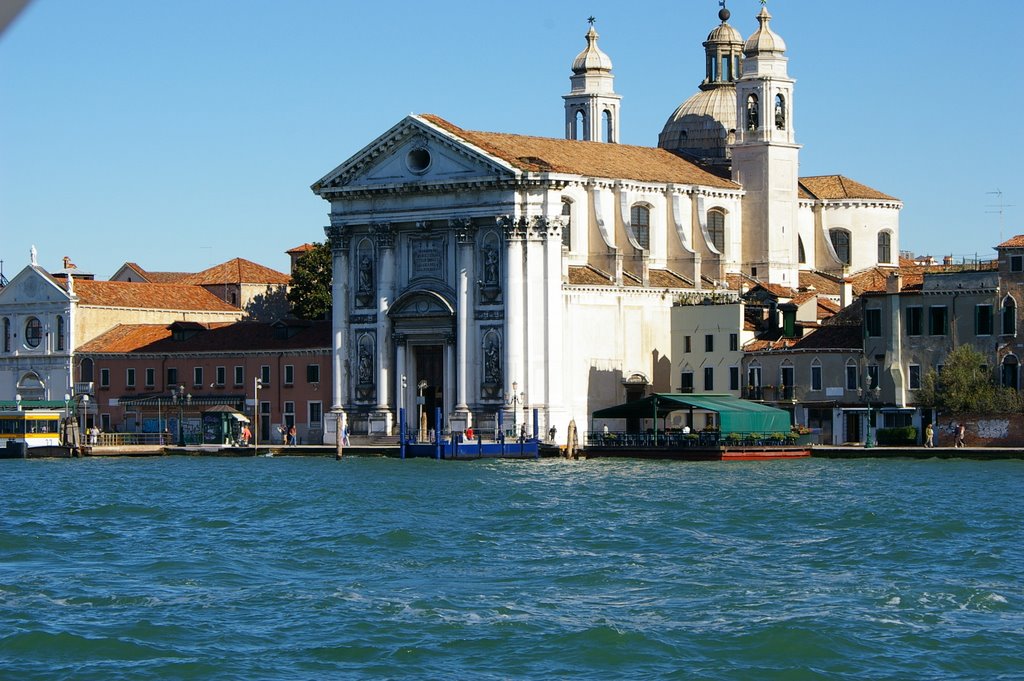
836 187
590 159
822 283
587 275
148 296
218 337
158 277
1013 242
669 279
304 248
238 271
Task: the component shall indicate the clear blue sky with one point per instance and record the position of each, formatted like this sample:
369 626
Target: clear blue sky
182 134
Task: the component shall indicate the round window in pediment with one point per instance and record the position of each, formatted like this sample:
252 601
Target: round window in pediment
418 160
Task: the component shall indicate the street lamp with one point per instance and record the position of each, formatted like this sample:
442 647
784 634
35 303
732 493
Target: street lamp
257 383
85 417
514 401
867 394
67 401
17 401
179 398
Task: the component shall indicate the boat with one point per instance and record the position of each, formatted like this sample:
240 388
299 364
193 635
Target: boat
32 433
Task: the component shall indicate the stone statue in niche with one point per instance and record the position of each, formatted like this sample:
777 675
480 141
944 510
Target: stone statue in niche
365 274
365 364
492 365
752 113
490 288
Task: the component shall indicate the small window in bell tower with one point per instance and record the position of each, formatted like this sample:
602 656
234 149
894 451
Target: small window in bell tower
780 112
752 115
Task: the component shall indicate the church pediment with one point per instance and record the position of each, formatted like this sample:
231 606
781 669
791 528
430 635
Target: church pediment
32 285
414 151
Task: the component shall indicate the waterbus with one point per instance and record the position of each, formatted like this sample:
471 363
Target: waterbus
32 433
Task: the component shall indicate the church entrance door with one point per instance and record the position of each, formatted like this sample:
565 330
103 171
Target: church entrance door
429 366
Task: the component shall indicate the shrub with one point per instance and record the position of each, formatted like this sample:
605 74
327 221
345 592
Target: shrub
897 436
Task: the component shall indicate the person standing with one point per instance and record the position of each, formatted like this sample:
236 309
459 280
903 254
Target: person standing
961 435
928 433
292 436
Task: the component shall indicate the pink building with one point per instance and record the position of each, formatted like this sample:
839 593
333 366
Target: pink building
147 374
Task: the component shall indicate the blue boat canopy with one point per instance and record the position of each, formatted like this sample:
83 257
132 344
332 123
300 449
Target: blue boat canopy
734 415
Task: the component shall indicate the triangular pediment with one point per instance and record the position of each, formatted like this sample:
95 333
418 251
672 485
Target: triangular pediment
32 285
415 151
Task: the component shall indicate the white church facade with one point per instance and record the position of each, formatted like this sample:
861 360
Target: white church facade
483 272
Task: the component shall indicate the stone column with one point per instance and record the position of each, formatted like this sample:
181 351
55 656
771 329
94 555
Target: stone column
381 419
399 340
465 234
554 332
340 242
515 340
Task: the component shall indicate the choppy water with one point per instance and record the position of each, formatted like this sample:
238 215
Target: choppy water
184 568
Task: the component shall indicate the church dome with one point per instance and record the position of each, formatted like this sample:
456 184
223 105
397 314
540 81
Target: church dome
764 38
700 126
591 58
724 33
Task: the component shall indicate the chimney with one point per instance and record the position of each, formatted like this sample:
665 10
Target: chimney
773 315
894 284
845 294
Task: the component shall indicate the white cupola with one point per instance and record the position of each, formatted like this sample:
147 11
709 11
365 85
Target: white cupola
592 107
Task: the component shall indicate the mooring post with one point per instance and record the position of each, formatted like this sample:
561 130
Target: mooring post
401 432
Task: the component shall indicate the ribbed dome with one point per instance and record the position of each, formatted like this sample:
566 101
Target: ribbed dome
591 58
701 124
724 33
764 39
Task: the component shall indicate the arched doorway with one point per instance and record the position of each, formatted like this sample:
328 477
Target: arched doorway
423 324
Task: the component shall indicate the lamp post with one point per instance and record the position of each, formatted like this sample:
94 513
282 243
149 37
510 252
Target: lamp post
85 417
179 398
67 402
422 424
257 383
514 401
867 394
17 401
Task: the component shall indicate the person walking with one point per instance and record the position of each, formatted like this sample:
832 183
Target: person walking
961 435
928 433
292 437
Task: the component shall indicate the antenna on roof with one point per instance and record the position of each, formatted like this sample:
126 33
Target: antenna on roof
999 206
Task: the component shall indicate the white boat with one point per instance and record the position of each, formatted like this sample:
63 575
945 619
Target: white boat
35 433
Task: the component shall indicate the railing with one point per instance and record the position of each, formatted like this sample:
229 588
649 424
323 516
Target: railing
153 439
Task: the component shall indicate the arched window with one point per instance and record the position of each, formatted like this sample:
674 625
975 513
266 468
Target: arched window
640 218
33 332
85 370
7 334
579 125
884 247
60 333
716 229
608 124
1010 373
1009 317
752 117
801 254
841 242
567 223
780 112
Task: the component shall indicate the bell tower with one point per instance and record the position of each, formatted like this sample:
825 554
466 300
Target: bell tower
766 159
592 107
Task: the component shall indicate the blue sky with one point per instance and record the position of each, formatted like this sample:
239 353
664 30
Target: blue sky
182 134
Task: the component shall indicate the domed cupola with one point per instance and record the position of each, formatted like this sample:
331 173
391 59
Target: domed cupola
701 126
592 107
764 40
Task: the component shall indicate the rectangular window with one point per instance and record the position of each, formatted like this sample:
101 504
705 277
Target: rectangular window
851 377
872 376
873 322
984 320
265 375
709 379
129 378
316 412
1017 263
150 377
816 377
172 377
938 320
104 378
709 342
289 374
787 381
197 376
312 373
686 382
915 316
734 378
222 375
734 342
239 375
914 371
289 414
687 346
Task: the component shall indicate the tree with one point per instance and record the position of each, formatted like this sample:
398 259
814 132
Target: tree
310 292
966 385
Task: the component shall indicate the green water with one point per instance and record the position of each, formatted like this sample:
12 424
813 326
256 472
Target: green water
278 568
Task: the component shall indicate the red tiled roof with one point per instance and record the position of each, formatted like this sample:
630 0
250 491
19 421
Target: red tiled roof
590 159
1013 242
238 271
304 248
218 337
148 296
158 277
822 283
587 275
668 279
835 187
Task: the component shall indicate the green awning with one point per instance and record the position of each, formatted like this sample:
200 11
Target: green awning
33 404
734 415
